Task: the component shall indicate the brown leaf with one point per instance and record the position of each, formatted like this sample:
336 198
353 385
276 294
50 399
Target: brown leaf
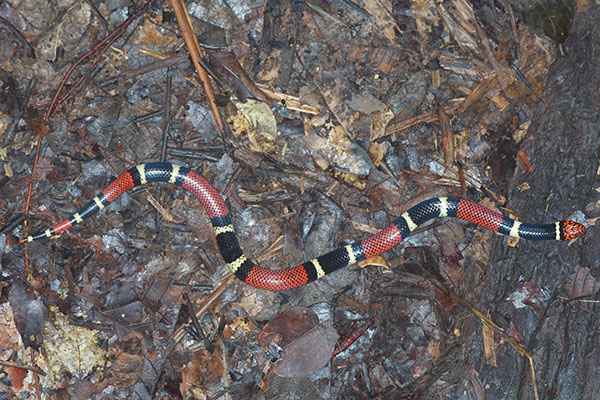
214 368
287 327
191 376
307 346
38 125
161 293
581 283
16 376
127 369
308 354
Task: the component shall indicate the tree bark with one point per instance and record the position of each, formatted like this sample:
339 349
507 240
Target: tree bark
562 145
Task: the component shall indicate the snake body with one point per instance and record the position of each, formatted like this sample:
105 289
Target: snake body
300 275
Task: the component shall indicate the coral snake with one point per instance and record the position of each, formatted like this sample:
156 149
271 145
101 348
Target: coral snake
318 267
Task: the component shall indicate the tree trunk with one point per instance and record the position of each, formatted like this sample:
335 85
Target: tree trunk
562 145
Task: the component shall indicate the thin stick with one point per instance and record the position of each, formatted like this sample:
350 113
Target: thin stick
185 24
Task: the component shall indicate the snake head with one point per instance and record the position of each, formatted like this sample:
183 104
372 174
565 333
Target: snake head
571 230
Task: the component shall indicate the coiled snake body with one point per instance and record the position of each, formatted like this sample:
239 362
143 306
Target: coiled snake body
318 267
